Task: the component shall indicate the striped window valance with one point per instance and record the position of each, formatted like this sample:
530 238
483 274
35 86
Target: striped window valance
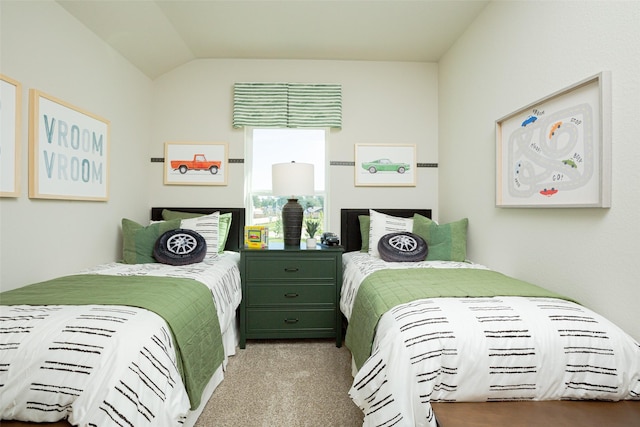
292 105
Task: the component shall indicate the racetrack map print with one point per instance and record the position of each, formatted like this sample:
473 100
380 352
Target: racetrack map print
551 154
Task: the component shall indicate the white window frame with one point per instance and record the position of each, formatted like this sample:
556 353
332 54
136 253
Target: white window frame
248 170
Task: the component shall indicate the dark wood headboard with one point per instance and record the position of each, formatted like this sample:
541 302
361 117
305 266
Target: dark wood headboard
350 236
235 241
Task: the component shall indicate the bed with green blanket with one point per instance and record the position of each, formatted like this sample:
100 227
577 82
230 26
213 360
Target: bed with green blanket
449 330
139 343
385 289
185 304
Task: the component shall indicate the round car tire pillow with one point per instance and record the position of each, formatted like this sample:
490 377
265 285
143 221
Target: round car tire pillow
402 247
180 247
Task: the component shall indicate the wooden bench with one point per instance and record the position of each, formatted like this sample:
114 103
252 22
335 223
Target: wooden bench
538 414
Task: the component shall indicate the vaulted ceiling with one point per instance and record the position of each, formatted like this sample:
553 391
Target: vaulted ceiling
159 35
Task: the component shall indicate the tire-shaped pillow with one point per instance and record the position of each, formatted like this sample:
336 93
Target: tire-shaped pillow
180 247
402 247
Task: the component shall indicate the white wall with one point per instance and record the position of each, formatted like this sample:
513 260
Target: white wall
513 54
383 102
44 48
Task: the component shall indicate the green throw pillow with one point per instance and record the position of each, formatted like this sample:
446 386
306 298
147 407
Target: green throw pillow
138 241
224 224
447 242
365 222
169 215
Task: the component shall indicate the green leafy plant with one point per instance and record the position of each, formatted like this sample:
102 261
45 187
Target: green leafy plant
312 227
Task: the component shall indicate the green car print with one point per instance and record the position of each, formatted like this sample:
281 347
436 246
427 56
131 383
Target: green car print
385 165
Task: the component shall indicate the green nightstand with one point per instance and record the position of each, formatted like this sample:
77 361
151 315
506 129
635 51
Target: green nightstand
290 292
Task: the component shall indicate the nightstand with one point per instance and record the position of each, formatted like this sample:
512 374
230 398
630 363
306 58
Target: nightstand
290 292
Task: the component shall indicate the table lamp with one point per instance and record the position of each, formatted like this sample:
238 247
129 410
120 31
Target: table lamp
292 180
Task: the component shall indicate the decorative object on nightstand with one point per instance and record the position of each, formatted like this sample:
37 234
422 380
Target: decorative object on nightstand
292 180
311 225
290 292
329 239
256 236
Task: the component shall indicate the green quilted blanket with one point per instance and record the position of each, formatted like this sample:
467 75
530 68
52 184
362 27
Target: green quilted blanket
385 289
186 305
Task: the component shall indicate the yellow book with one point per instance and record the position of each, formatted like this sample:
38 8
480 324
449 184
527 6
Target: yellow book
256 236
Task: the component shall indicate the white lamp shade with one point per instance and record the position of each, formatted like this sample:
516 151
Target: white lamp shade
292 179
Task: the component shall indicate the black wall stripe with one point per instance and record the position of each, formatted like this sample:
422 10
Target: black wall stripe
347 163
331 163
161 160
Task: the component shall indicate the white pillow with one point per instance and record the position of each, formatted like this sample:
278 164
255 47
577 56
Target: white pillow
207 226
381 224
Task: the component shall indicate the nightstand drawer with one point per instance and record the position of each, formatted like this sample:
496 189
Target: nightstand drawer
264 294
283 320
282 268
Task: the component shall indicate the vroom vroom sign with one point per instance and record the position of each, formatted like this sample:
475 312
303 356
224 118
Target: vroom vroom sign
68 151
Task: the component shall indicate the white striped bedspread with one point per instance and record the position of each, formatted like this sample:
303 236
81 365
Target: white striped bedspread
103 365
491 349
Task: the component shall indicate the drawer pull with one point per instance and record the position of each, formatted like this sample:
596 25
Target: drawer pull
291 295
291 269
290 320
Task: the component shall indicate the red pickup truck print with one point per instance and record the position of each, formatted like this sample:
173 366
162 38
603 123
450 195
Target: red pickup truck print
198 163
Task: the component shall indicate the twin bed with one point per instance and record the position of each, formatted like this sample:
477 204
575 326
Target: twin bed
448 330
130 343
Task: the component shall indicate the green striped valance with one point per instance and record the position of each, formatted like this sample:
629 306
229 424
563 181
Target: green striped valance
292 105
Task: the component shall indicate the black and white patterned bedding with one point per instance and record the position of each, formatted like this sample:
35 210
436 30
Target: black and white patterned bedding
490 349
105 365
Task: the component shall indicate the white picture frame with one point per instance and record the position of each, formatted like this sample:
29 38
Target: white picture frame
178 156
556 152
385 165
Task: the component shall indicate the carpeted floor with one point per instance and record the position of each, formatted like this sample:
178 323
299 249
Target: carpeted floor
285 383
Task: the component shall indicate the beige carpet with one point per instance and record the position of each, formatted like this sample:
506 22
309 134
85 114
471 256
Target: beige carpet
285 383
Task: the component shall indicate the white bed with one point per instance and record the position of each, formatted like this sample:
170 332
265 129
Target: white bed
117 364
494 348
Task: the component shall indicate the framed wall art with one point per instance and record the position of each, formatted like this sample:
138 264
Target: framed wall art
195 163
556 152
385 165
10 122
68 151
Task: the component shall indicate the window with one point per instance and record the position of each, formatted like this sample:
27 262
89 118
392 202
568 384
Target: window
266 146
